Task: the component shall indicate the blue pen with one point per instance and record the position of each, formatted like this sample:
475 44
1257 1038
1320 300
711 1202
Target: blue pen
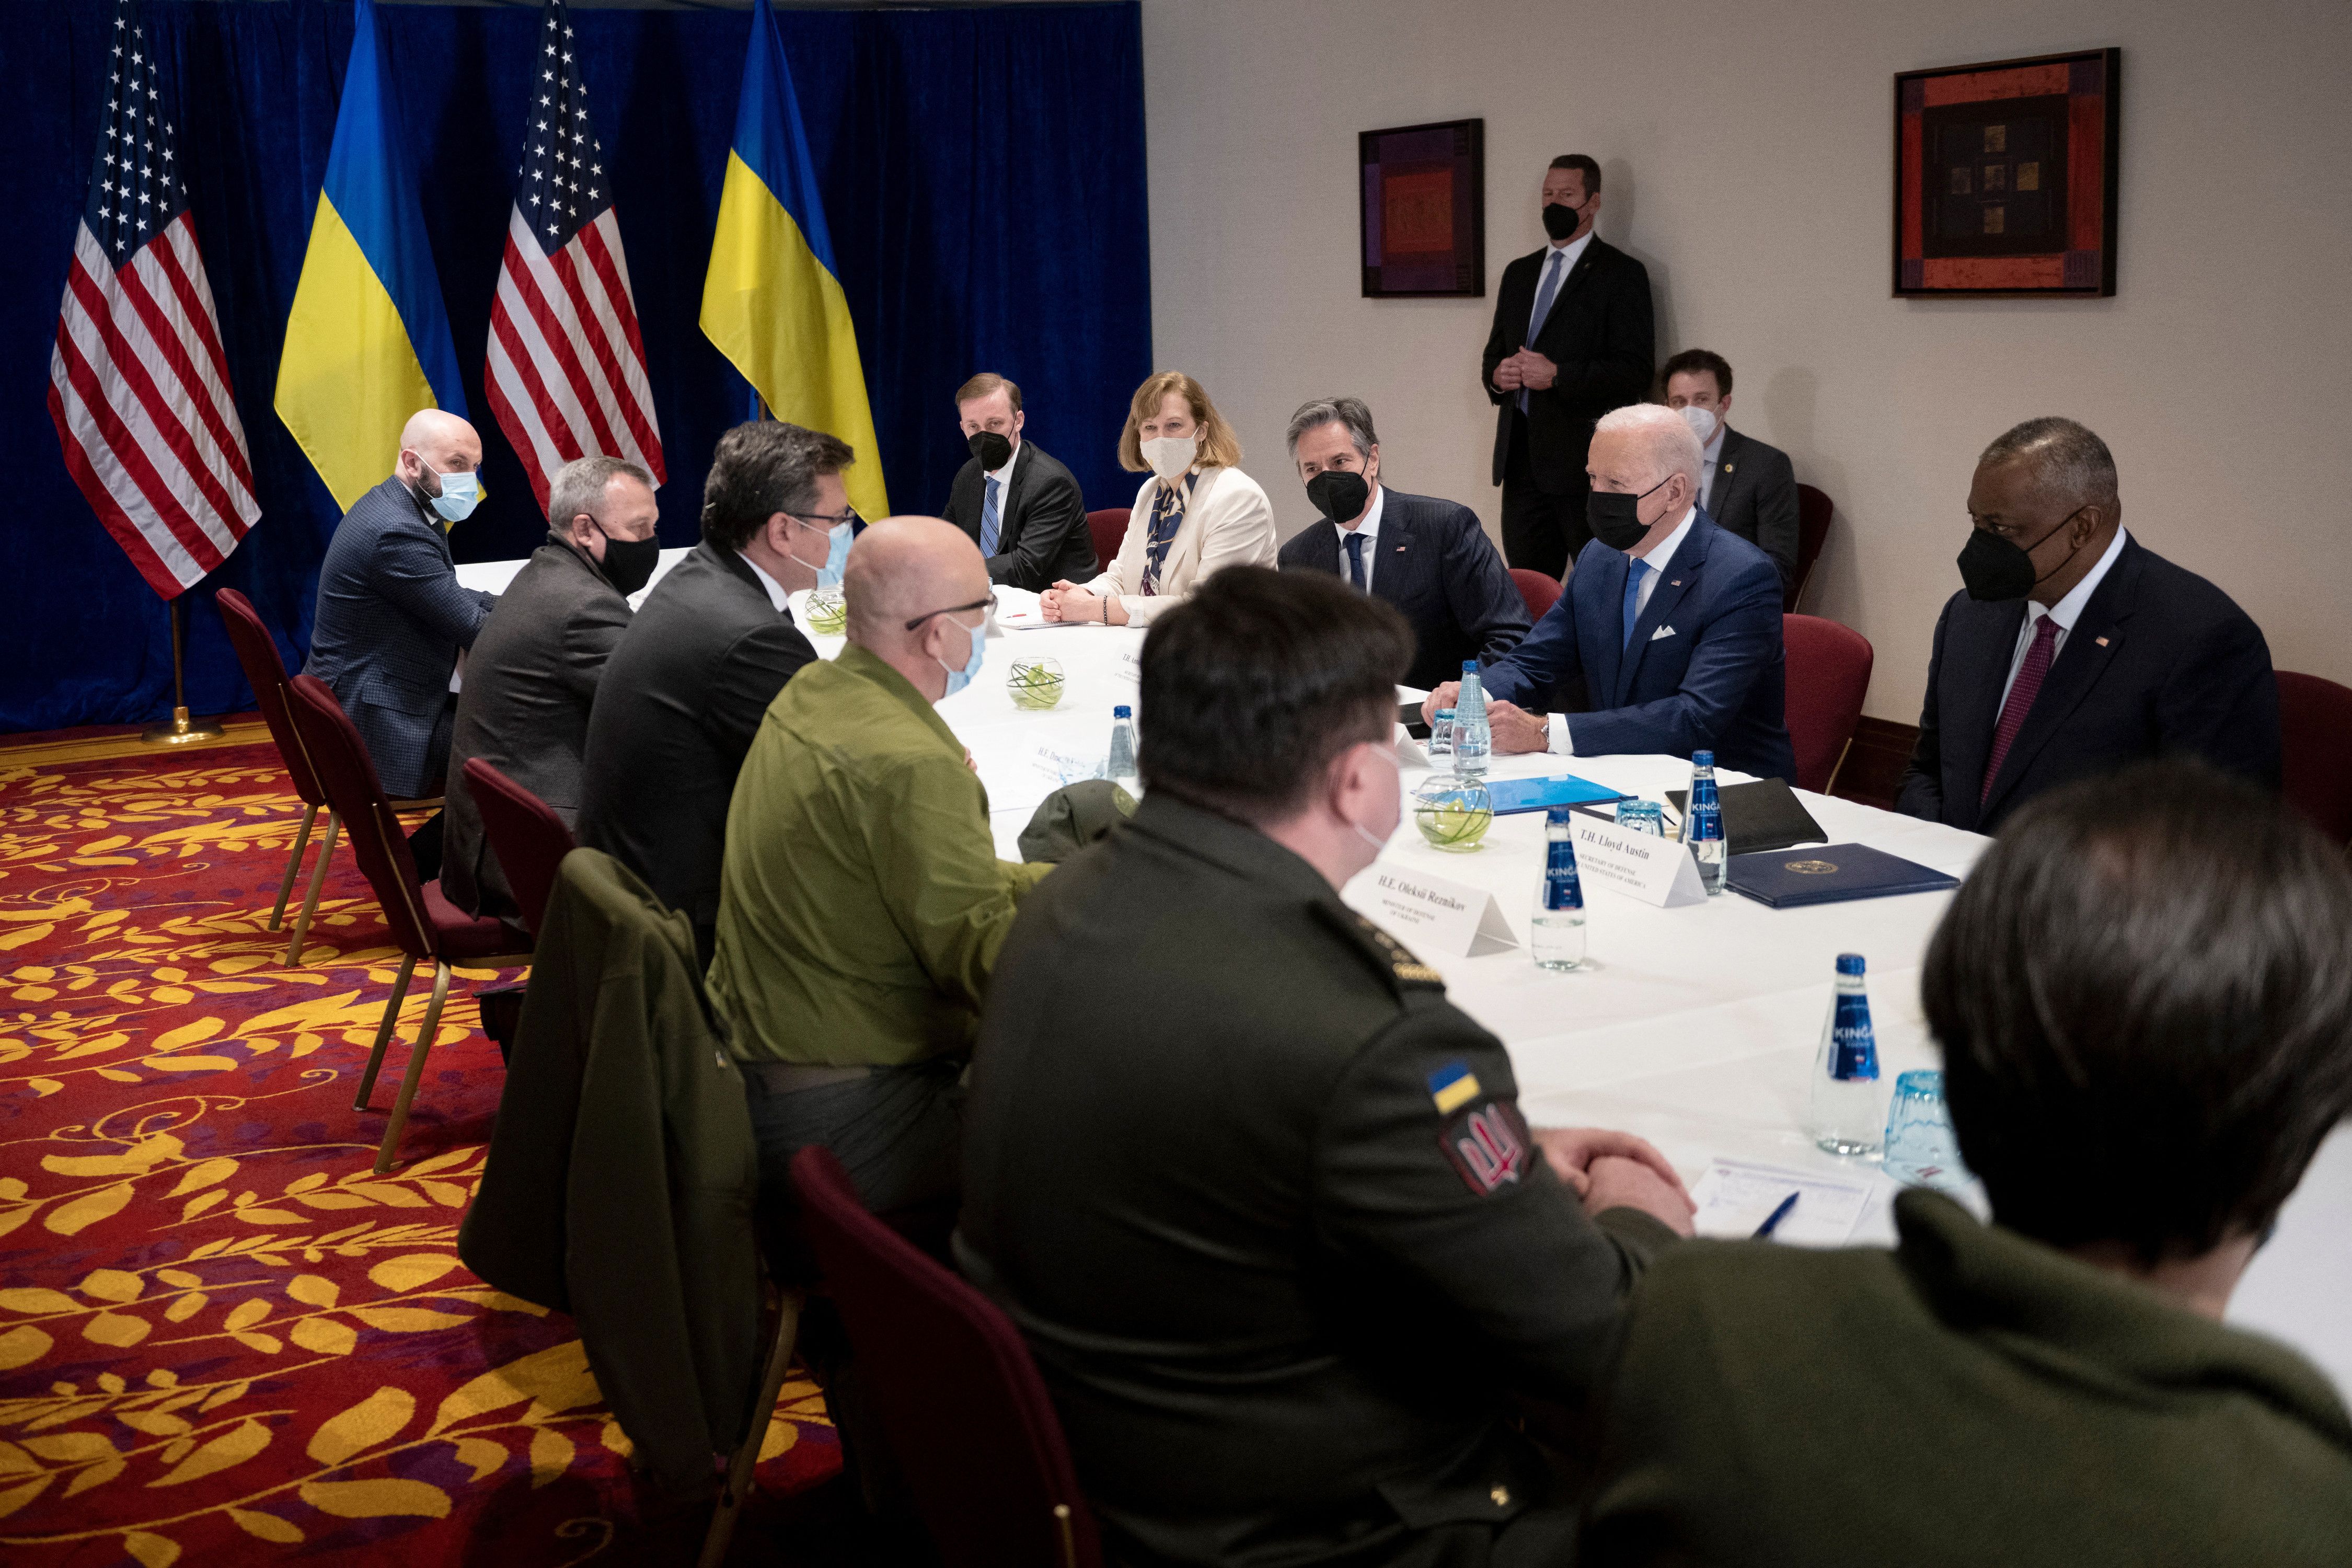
1772 1222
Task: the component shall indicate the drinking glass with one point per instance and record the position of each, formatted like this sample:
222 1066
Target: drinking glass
1642 816
1921 1148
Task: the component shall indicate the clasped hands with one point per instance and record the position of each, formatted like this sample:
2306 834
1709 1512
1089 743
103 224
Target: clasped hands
1611 1170
1525 371
1066 601
1511 728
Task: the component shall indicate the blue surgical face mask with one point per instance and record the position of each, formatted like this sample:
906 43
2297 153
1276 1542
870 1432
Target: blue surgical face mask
836 555
461 494
960 678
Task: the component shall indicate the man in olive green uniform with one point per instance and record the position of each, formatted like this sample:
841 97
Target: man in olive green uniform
2143 994
861 902
1259 1197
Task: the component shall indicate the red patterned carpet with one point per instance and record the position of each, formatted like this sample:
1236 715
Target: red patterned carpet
222 1339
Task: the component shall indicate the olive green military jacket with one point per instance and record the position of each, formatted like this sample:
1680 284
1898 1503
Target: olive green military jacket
1263 1204
861 903
1971 1397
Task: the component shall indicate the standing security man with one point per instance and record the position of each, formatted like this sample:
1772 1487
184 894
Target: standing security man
1273 1226
1574 337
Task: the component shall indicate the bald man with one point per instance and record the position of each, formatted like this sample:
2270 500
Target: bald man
861 903
1673 623
392 618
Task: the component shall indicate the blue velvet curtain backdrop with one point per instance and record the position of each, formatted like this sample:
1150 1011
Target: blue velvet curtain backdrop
982 173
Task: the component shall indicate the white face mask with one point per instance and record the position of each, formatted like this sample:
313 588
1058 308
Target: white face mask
1170 456
1387 754
1702 422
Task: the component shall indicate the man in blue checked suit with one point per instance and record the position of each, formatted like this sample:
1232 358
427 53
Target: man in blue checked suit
393 617
1428 557
1675 624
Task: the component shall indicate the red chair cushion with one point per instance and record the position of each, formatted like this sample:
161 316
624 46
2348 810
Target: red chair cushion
530 840
1828 677
953 1383
265 671
2315 750
459 936
1108 527
1539 592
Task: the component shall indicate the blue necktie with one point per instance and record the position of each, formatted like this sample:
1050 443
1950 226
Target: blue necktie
1356 559
1544 297
988 519
1634 572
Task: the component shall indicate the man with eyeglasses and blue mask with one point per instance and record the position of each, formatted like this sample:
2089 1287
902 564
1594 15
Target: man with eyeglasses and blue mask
685 688
392 617
2072 648
862 903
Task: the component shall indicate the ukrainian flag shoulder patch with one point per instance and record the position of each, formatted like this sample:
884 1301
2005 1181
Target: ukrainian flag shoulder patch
1452 1087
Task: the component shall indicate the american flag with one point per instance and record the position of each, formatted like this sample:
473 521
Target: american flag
566 375
139 389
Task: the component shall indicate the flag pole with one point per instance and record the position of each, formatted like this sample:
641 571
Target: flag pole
181 730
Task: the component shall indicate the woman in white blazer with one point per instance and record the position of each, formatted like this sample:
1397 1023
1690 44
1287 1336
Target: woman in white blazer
1196 515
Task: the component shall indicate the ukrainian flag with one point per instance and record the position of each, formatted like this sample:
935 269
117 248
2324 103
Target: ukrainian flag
772 299
368 344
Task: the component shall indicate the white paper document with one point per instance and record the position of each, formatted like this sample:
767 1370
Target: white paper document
1429 911
1657 871
1735 1197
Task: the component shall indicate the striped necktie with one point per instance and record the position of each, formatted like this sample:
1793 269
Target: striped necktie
2022 694
990 520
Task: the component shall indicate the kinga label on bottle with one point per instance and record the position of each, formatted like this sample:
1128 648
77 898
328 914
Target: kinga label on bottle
1561 890
1854 1050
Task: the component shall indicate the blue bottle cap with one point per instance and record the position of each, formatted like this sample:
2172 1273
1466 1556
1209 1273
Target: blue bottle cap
1121 712
1445 712
1702 759
1849 963
1469 667
1560 813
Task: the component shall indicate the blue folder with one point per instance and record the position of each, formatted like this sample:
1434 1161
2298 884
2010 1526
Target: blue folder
1830 874
1534 794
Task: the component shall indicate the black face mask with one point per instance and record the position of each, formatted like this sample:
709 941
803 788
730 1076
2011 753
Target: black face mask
1996 570
629 562
991 449
1615 515
1560 220
1340 495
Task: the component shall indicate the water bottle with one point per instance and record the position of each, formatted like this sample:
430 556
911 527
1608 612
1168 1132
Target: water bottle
1555 934
1121 767
1440 735
1843 1116
1702 823
1472 740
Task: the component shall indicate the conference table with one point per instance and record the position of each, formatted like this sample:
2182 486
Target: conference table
1693 1026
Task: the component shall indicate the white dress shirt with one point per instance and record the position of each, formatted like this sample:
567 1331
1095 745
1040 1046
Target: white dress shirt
2066 612
1709 455
776 595
1371 529
1559 743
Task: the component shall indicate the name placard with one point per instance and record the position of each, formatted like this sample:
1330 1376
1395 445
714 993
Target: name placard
1428 911
1657 871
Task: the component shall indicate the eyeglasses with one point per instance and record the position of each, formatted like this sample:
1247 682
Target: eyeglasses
987 603
828 521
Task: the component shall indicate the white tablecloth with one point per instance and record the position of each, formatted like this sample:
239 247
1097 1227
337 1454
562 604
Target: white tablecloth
1694 1028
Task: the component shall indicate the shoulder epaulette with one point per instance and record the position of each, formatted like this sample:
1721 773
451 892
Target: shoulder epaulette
1406 970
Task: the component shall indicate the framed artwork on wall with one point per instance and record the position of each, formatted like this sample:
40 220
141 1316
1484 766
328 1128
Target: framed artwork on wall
2005 178
1424 217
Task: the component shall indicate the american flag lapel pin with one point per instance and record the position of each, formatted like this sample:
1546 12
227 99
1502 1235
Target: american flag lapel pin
2102 642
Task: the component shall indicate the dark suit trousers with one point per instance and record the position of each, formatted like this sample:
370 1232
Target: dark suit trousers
425 844
1541 531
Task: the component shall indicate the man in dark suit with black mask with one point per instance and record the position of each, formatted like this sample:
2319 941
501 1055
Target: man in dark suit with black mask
1428 557
2074 649
1574 337
1021 507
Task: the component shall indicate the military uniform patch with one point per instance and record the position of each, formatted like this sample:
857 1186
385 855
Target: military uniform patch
1488 1145
1408 970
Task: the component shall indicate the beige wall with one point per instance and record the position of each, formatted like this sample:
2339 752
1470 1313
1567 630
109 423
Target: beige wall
1746 157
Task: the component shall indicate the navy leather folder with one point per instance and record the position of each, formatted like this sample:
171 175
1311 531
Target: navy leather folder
1830 874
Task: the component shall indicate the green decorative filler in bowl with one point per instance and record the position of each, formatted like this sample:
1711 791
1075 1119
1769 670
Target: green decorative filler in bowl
1453 813
1035 682
827 612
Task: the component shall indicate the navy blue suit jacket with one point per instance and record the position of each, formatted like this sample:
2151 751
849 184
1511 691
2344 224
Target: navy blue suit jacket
1438 566
1715 682
2160 663
391 619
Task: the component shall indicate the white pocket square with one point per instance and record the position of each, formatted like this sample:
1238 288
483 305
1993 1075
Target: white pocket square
1662 634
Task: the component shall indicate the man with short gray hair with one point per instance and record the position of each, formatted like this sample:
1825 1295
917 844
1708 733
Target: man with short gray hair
531 677
1673 623
706 655
1428 557
2072 648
